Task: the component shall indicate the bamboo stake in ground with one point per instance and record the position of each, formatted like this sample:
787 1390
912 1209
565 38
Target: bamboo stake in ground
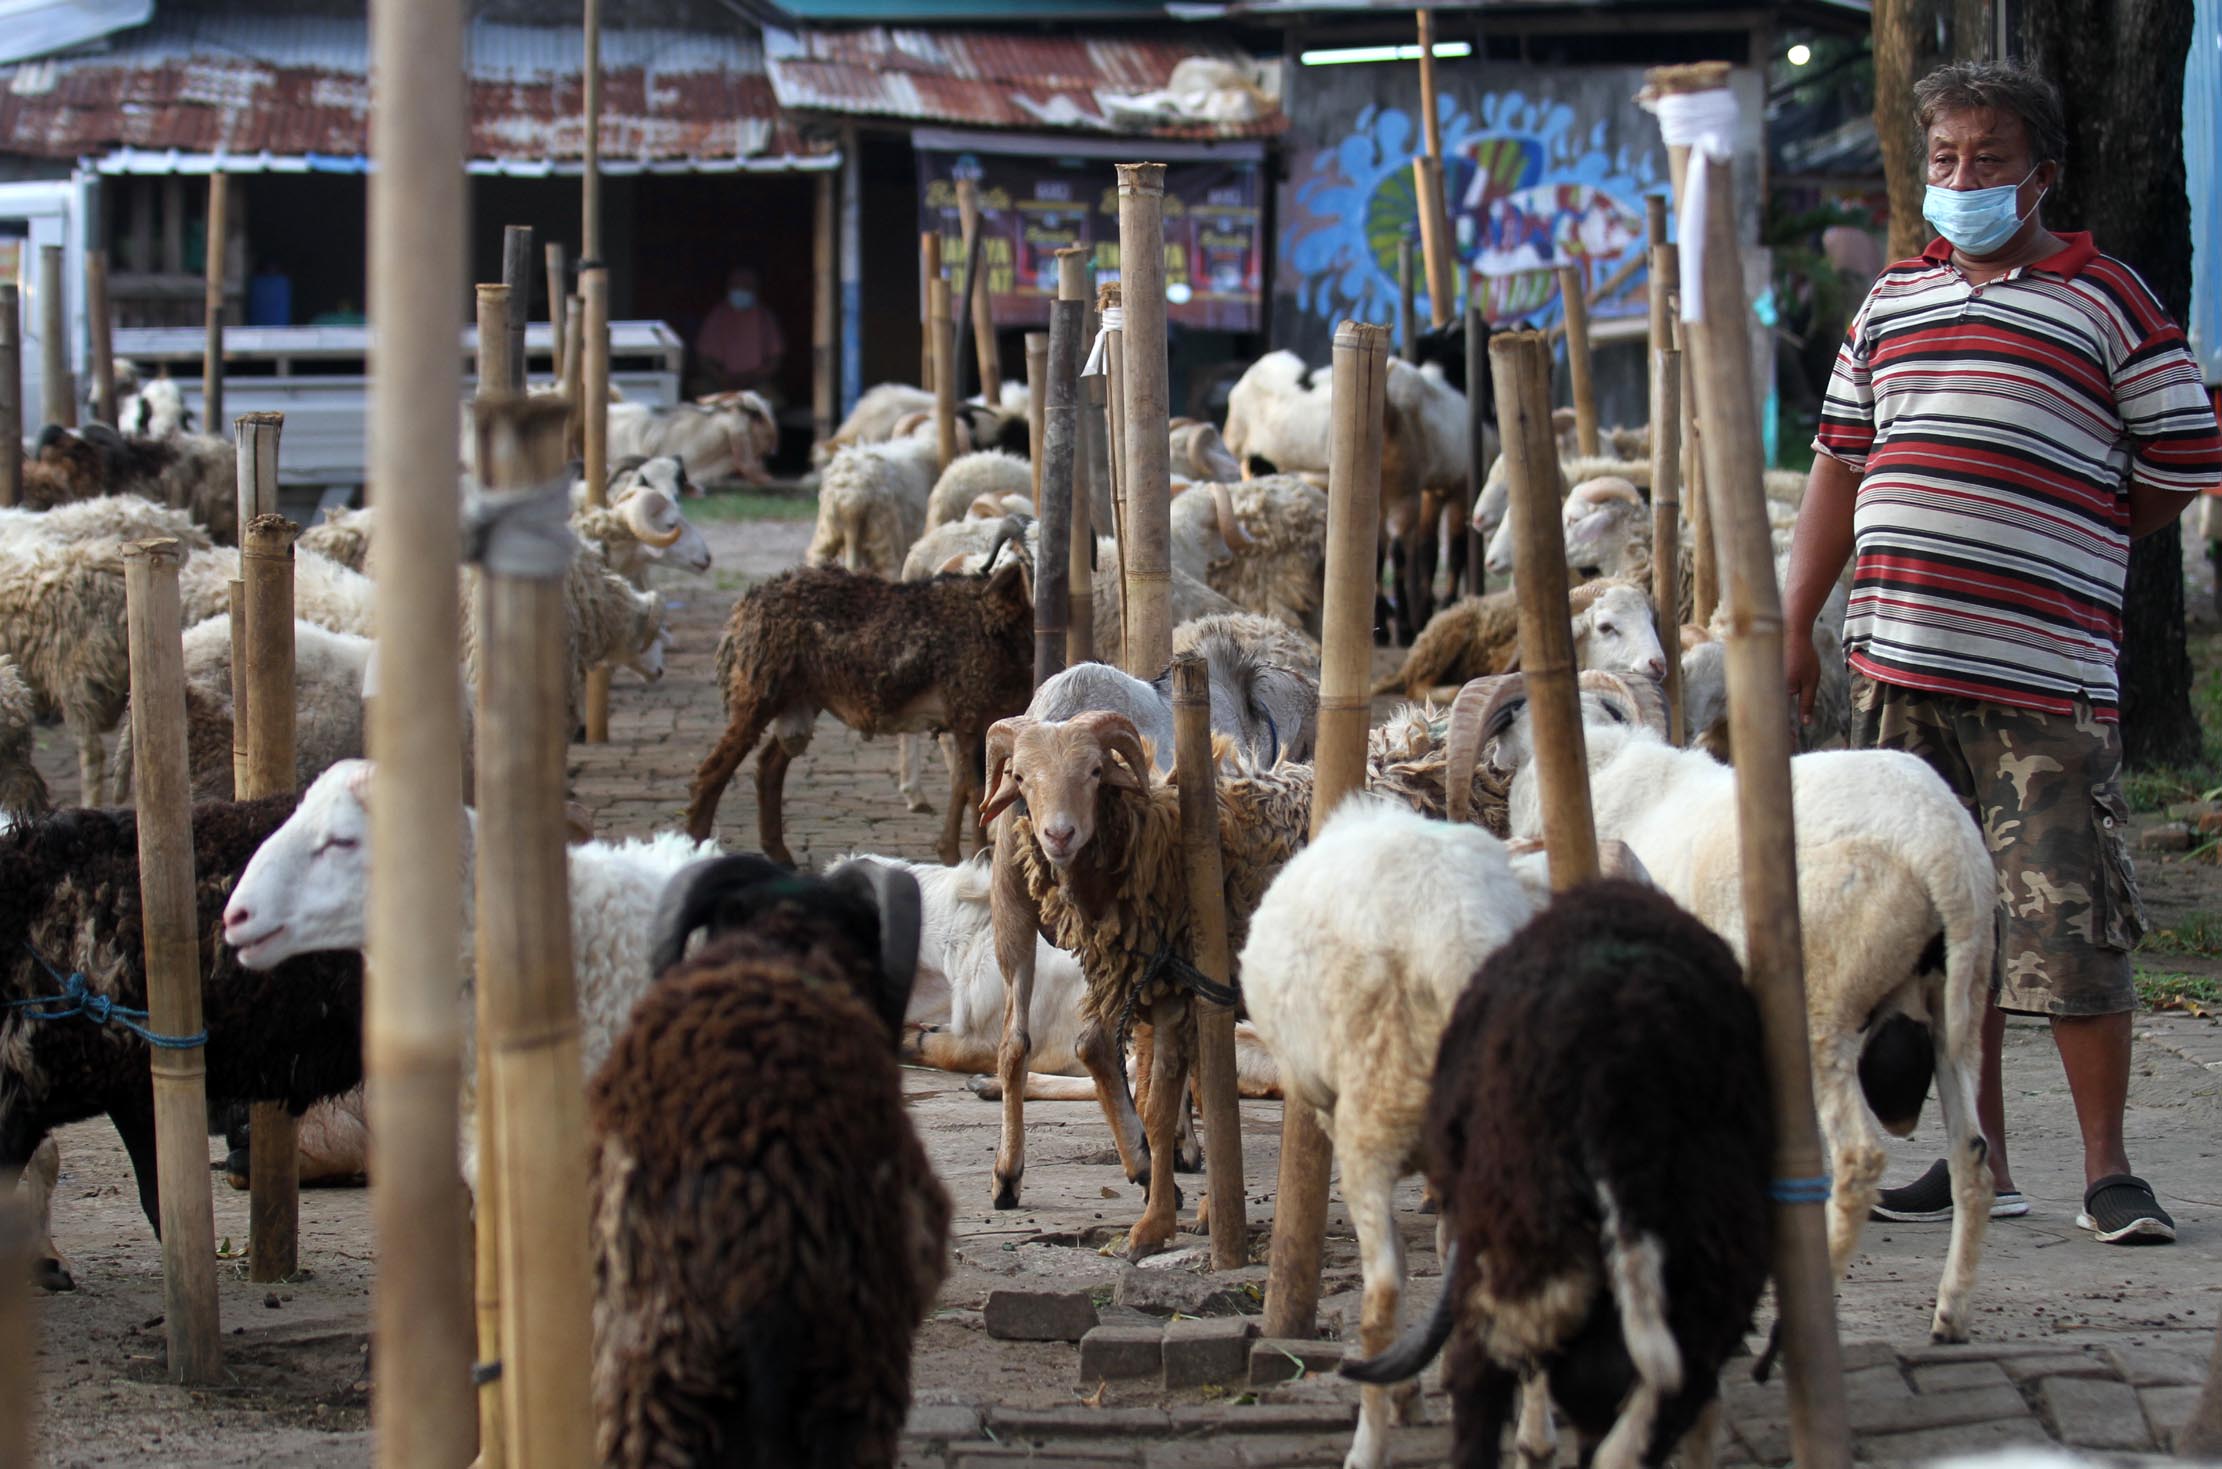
172 940
19 1334
1407 308
1207 905
11 396
1060 453
524 942
941 340
1037 404
594 361
494 361
57 388
557 297
1148 460
825 278
1361 376
213 251
1436 241
100 326
1111 311
1719 335
929 271
1478 408
1577 358
1666 526
976 321
1080 629
516 274
1521 364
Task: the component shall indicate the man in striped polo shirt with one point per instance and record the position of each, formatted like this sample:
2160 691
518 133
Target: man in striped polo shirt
2008 412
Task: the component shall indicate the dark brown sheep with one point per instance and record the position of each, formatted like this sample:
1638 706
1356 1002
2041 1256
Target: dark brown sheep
768 1234
952 654
193 472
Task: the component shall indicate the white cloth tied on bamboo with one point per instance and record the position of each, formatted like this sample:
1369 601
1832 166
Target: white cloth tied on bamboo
524 533
1099 356
1704 123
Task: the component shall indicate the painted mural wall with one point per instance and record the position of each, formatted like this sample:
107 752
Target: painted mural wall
1542 169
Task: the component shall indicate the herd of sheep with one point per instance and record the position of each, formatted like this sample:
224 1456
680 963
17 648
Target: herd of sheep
1579 1077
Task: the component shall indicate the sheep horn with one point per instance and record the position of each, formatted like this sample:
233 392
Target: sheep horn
1606 487
1230 529
985 506
1012 529
1645 704
908 424
640 514
1002 744
1118 736
1471 714
954 563
894 893
1417 1347
696 899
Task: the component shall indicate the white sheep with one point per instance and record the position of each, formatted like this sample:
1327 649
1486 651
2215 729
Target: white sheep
872 505
324 592
1261 544
306 891
105 517
988 473
155 410
1477 636
1895 898
62 618
1355 958
725 436
642 523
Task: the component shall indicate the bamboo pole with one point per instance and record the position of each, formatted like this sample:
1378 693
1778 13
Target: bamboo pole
1037 405
172 941
573 372
235 591
557 297
1148 459
594 360
1759 734
1702 76
1521 365
1478 407
1436 240
825 278
11 396
57 388
524 961
1111 311
212 273
1577 358
422 1407
968 312
516 274
590 172
929 271
1666 473
495 364
940 337
1407 308
100 325
1361 375
1207 904
1060 439
1080 627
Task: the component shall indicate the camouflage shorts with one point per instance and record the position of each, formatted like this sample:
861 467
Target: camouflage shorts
2047 791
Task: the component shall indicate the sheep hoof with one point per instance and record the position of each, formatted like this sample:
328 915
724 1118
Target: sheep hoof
1147 1238
919 804
986 1088
1946 1331
1006 1192
51 1274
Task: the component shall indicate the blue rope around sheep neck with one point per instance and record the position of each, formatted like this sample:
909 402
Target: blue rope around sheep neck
1813 1190
77 998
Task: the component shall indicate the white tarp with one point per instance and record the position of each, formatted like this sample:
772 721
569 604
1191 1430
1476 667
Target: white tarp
31 28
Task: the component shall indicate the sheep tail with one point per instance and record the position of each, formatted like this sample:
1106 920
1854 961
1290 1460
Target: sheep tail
1417 1347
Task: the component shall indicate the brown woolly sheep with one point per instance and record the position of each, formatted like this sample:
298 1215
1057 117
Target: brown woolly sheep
954 653
768 1233
195 472
23 795
1475 637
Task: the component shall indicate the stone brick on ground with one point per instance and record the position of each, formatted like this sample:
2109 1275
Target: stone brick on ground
1110 1352
1280 1359
1201 1349
1952 1376
1074 1422
942 1421
1857 1354
1890 1415
2092 1413
1031 1315
1924 1445
2162 1366
1265 1417
2166 1410
2064 1362
1182 1292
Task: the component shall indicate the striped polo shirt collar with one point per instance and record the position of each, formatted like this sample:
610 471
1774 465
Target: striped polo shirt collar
2067 262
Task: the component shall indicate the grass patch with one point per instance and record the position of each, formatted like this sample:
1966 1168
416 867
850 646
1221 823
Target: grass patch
749 505
2163 786
2196 994
2199 934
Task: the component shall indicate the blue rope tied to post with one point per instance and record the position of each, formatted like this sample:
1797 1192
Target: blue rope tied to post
77 998
1813 1190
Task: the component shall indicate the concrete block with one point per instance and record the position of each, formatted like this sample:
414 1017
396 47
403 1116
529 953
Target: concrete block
1201 1349
1179 1292
1282 1418
2168 1409
2162 1366
1858 1354
1878 1385
1928 1444
1892 1415
1185 1454
1032 1315
2092 1413
1286 1451
1282 1359
942 1421
1954 1376
1076 1422
1121 1351
2069 1362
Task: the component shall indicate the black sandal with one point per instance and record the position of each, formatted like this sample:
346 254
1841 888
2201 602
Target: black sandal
2120 1209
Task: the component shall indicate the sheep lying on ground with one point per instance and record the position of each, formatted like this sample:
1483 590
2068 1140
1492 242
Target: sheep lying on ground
768 1234
873 419
1478 636
306 892
154 409
194 472
342 537
891 410
727 436
953 653
105 518
1356 956
1600 1137
1895 892
988 472
1092 862
872 505
69 906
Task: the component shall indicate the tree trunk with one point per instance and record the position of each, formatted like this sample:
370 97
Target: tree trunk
1913 38
2119 66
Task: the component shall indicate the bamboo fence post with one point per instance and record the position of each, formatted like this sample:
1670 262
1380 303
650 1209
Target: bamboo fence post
495 364
1060 440
1666 526
1148 461
1718 326
1361 376
11 396
1521 364
1037 388
235 591
172 939
1112 313
979 316
212 272
100 325
516 274
423 1410
941 340
825 277
929 271
557 297
57 389
1577 358
524 949
594 361
1080 629
1436 241
1407 308
1207 903
573 368
590 171
19 1334
1478 407
1659 287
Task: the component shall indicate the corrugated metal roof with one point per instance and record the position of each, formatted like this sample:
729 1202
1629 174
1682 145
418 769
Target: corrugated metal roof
989 78
298 86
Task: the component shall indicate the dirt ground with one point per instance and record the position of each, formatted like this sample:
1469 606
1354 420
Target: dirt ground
297 1355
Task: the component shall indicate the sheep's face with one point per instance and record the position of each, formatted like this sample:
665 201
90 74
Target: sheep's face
303 890
1057 769
1619 635
648 659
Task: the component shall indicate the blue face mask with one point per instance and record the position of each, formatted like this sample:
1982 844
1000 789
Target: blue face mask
740 300
1976 221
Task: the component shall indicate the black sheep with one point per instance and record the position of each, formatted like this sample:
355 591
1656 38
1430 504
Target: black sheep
1601 1140
768 1234
69 900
